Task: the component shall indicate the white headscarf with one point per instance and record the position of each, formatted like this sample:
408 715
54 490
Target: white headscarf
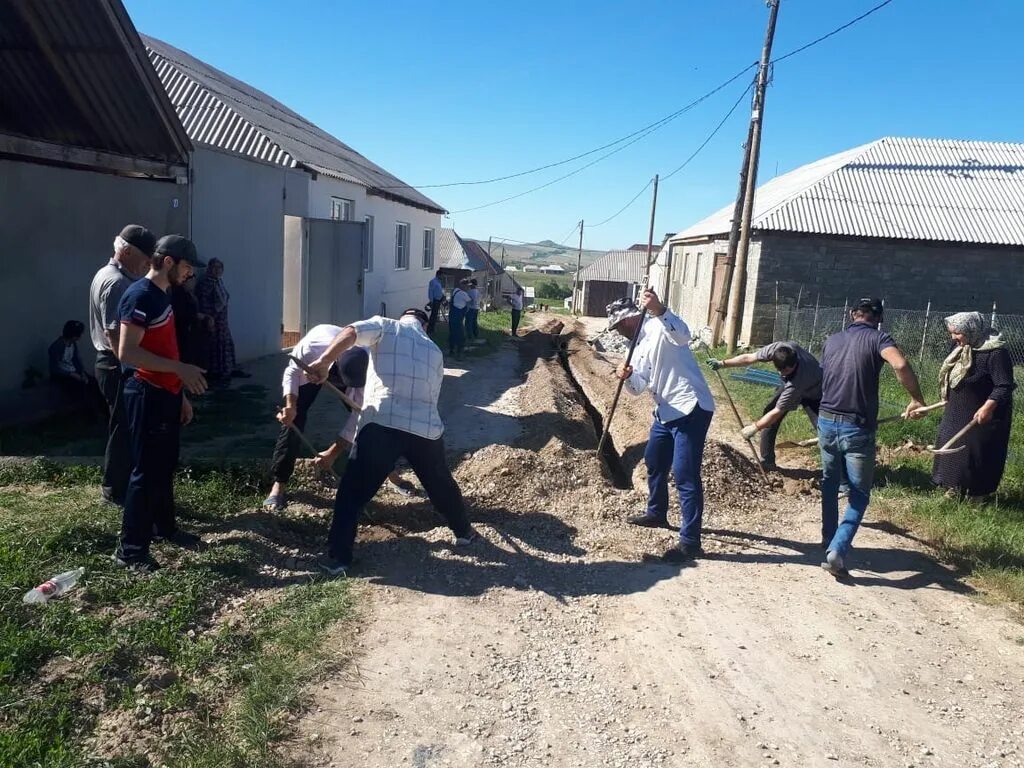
977 336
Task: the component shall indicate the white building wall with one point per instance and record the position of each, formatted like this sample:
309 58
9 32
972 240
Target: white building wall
238 216
395 289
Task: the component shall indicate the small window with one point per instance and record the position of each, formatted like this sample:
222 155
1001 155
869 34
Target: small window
428 248
342 209
401 245
696 268
368 253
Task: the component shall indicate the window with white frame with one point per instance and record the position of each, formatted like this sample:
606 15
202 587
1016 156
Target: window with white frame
428 248
342 209
401 245
696 269
368 252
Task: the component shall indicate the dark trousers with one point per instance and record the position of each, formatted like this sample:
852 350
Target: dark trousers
377 450
435 310
769 434
456 329
116 458
678 446
472 326
516 316
154 426
287 448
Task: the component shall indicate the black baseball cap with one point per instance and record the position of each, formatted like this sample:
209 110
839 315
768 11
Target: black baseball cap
178 248
875 306
140 237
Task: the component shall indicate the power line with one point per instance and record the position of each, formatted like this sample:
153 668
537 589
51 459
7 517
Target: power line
623 208
711 135
647 129
643 132
835 31
686 162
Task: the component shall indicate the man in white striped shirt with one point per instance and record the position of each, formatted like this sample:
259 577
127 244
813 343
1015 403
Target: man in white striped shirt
399 420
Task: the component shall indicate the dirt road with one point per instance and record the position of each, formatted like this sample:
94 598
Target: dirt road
552 643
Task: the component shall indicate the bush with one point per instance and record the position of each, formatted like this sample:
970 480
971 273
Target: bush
549 289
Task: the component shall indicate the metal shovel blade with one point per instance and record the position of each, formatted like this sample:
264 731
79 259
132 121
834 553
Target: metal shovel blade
948 447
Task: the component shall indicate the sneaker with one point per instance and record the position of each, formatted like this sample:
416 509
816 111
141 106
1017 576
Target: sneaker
681 554
648 521
835 565
332 566
466 539
145 564
275 503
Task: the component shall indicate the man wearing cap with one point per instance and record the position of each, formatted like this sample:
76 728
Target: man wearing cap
155 407
801 387
399 420
133 248
852 361
664 364
300 394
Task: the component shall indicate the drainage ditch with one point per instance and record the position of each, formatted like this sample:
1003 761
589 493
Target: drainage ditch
617 473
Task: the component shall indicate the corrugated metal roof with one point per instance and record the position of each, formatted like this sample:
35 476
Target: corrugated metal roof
454 252
76 74
222 111
619 267
910 189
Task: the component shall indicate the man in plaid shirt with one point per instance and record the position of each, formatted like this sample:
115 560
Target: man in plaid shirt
399 420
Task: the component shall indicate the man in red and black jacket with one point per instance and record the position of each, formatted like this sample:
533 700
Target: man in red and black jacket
155 406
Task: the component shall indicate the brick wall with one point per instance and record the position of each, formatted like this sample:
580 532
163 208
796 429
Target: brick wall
906 274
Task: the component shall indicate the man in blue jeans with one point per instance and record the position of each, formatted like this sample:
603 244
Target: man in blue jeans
852 362
664 364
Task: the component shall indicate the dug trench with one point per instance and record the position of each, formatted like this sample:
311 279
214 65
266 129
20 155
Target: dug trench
551 641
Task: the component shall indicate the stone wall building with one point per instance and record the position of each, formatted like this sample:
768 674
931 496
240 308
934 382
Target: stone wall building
908 220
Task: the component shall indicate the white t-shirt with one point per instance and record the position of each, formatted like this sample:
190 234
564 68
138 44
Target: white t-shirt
460 299
517 301
474 298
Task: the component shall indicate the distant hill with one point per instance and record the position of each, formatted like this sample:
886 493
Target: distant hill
543 252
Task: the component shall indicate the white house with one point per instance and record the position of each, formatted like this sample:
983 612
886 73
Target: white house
553 269
380 264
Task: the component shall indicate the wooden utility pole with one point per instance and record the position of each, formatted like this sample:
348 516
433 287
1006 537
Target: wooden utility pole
576 277
739 275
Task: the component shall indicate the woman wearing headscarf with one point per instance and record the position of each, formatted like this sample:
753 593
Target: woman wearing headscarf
213 300
976 381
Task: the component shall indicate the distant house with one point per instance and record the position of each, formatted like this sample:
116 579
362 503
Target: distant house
907 220
459 257
530 268
89 142
613 276
332 236
553 269
511 268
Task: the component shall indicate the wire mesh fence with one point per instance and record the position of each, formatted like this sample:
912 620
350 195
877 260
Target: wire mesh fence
921 334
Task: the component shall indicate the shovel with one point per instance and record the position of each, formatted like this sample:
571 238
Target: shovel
341 395
814 441
311 447
947 448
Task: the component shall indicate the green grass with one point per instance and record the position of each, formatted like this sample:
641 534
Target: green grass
987 540
494 329
532 278
69 664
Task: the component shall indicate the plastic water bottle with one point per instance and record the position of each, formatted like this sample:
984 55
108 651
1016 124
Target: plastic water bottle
54 587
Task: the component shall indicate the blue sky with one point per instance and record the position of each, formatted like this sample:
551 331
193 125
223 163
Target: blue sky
441 92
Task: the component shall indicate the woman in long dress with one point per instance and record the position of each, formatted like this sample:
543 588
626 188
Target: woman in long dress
213 300
976 381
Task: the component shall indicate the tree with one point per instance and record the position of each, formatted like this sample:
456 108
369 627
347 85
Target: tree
549 289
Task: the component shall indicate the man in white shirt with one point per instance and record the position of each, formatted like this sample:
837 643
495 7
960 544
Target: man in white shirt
458 310
399 420
664 364
516 300
473 312
299 395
